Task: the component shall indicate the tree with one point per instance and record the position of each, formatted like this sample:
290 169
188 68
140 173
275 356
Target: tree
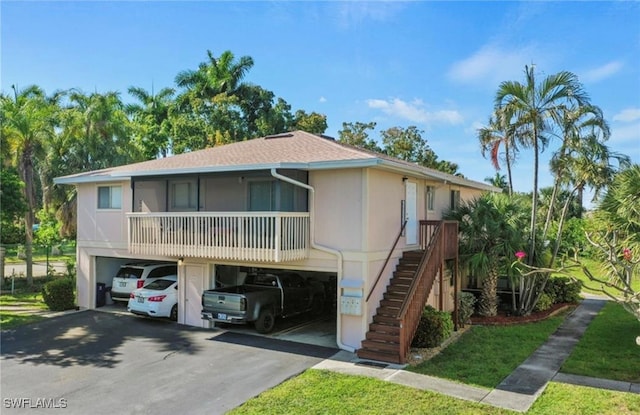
26 120
490 233
408 144
216 76
531 109
314 122
498 134
619 208
499 180
355 134
14 207
150 117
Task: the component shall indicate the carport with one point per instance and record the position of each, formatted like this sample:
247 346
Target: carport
302 328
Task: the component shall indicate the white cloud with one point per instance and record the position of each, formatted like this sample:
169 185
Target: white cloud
492 64
627 133
322 99
414 111
602 72
354 12
627 115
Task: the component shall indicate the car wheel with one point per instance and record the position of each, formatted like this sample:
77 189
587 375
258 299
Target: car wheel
266 321
174 313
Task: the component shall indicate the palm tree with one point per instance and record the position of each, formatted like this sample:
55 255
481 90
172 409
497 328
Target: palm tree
496 134
96 131
499 180
531 110
490 233
151 119
217 76
579 126
26 120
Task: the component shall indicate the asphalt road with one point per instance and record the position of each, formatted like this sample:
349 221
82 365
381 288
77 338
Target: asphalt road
102 363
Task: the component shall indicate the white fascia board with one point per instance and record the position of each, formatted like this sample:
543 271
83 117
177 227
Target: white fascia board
124 174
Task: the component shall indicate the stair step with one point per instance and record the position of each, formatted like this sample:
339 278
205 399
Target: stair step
379 356
386 337
385 328
404 274
395 281
394 296
384 319
381 346
387 311
395 304
407 267
412 254
393 289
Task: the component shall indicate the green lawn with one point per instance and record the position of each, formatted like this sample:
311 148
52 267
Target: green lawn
10 320
485 355
323 392
608 348
596 268
27 302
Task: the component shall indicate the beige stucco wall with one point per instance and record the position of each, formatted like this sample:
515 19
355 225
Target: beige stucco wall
357 212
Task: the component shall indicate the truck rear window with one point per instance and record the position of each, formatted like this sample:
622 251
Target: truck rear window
261 279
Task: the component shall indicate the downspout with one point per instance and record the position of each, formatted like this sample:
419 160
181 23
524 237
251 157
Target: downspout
323 248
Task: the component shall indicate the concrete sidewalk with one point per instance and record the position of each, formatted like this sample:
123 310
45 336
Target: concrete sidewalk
520 389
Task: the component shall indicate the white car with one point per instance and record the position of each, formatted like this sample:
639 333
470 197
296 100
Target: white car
159 298
136 275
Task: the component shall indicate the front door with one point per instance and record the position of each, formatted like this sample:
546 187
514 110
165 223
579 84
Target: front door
193 295
411 214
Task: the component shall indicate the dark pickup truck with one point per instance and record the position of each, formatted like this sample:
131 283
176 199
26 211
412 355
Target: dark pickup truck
262 298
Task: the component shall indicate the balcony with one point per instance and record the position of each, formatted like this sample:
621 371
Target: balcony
238 236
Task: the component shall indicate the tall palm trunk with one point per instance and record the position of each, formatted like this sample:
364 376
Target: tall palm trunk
534 197
26 171
488 305
508 160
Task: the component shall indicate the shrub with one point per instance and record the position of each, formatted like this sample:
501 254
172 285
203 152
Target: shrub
58 294
544 303
466 305
434 327
563 290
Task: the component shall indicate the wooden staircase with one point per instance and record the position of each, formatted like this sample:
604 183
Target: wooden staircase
382 341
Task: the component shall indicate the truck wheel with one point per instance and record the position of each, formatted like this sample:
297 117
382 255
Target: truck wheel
266 321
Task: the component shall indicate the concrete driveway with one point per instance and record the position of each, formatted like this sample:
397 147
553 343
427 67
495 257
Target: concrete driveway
102 363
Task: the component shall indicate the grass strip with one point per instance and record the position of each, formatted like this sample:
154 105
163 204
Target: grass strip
485 355
608 348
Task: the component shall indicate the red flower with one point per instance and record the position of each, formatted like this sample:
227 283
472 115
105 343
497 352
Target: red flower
626 254
520 255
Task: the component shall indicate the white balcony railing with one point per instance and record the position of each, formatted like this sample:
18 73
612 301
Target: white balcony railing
242 236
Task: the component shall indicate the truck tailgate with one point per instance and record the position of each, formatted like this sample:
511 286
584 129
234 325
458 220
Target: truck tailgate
222 302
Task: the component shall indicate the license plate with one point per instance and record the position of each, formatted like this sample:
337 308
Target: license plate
123 284
222 316
141 299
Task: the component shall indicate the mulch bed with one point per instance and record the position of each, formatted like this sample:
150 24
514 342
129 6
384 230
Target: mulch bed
503 319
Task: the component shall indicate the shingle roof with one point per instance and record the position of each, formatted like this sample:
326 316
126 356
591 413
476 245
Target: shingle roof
297 149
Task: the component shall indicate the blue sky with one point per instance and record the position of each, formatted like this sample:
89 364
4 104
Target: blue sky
435 65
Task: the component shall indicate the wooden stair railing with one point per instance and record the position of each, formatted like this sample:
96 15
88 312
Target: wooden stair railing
396 320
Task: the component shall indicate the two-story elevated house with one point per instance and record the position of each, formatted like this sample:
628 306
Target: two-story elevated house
293 201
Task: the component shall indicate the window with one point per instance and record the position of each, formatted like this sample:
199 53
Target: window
455 199
431 197
184 195
262 196
109 197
